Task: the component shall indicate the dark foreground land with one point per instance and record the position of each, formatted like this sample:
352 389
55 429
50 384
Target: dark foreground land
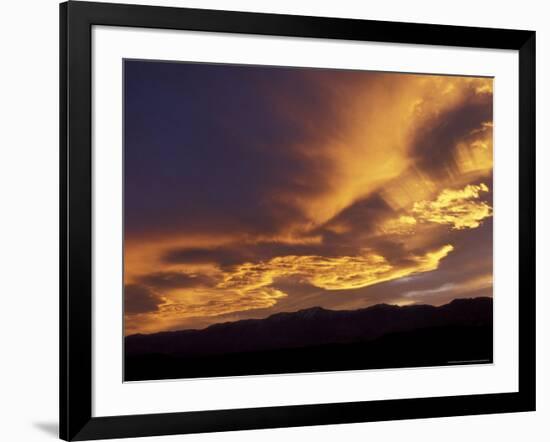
312 340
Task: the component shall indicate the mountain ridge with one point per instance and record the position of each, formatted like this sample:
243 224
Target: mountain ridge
315 308
310 327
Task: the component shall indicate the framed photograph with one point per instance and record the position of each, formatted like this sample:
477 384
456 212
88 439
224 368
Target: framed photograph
272 220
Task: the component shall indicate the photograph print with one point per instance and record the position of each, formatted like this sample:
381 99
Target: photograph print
295 220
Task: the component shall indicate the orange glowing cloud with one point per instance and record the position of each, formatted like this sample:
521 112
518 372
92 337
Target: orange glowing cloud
369 141
339 273
249 286
458 208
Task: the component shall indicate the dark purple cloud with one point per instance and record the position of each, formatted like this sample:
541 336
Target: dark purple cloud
140 299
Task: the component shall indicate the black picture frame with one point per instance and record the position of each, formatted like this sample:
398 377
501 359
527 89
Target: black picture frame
76 21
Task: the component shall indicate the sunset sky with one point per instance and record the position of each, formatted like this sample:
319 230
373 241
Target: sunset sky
254 190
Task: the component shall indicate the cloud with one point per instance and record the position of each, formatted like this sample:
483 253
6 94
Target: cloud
457 208
251 286
346 272
213 302
427 292
403 225
474 153
482 283
171 280
232 254
264 151
363 216
140 299
470 106
225 255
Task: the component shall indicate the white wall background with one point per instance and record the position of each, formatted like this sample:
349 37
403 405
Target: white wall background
29 218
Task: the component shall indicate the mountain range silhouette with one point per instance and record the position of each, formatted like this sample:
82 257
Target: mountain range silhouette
316 339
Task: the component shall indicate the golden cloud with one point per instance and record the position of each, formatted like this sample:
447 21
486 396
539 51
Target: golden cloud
404 225
474 155
458 208
187 306
249 285
330 273
367 149
213 302
461 209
